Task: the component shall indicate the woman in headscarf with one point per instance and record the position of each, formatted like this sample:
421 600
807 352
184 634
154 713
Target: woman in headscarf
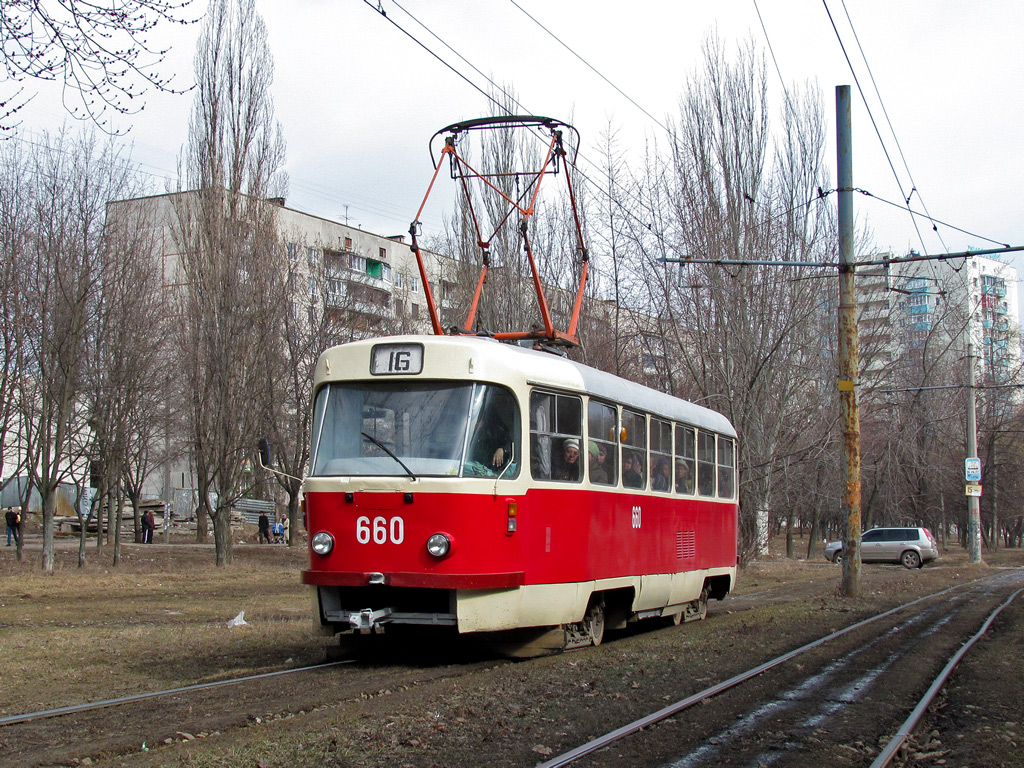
632 474
570 464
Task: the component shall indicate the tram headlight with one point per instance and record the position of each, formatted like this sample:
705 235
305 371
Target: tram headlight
322 543
439 545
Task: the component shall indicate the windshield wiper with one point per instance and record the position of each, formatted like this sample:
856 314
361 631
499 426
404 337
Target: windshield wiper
384 448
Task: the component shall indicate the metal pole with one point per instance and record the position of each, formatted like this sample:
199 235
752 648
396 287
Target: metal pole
848 359
973 502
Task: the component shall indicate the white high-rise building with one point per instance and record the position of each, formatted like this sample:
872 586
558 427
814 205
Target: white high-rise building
911 311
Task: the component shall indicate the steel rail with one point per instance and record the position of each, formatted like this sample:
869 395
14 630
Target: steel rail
28 716
910 724
637 725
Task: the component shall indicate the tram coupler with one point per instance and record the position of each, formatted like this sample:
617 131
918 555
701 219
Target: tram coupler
368 619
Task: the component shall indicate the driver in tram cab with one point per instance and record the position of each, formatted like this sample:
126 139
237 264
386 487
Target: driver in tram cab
570 465
493 440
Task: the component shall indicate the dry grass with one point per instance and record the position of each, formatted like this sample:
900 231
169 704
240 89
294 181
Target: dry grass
158 621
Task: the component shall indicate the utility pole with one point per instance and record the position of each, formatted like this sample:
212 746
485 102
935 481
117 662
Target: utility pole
973 501
848 358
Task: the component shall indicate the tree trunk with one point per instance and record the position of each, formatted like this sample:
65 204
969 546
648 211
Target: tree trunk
117 528
222 534
49 497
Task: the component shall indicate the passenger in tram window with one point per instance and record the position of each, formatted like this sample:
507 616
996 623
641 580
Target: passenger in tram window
632 470
684 478
540 440
570 464
598 473
606 458
661 478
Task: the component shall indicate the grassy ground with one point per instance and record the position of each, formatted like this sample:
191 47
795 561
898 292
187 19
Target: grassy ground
160 620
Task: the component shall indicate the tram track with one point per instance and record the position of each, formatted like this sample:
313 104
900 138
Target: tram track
199 710
790 719
444 710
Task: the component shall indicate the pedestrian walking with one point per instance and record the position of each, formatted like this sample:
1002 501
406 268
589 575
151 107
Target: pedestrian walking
148 524
13 521
264 528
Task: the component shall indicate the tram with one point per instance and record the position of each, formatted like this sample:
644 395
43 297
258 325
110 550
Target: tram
479 486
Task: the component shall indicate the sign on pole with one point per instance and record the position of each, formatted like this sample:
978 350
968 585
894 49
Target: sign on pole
972 470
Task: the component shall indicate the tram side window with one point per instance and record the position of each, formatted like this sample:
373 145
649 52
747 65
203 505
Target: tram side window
726 468
661 455
601 448
685 453
634 449
556 436
706 463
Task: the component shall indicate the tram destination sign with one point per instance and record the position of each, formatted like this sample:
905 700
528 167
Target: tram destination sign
396 359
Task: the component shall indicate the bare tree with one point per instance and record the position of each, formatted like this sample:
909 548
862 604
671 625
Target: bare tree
99 50
126 358
73 179
745 341
227 237
14 236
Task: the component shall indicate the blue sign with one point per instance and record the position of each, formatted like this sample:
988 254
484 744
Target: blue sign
972 470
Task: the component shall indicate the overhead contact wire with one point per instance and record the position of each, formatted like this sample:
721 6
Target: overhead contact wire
881 103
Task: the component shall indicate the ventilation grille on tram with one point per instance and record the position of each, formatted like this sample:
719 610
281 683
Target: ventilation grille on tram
686 544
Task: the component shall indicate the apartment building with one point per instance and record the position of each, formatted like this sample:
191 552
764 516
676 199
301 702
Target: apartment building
909 311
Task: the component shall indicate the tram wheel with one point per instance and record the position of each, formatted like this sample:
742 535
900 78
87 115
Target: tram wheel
702 607
594 623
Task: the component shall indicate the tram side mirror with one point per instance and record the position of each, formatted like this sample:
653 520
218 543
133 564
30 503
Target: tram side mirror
264 452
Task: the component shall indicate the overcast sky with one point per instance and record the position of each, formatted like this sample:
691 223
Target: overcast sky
358 99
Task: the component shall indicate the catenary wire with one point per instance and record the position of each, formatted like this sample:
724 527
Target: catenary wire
871 115
617 203
380 10
590 66
892 130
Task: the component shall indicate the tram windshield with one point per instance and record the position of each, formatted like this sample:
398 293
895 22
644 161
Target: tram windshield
435 429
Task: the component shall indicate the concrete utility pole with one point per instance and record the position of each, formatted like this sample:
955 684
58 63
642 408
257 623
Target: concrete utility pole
848 358
973 501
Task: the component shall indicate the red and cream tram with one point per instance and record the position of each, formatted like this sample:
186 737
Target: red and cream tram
485 487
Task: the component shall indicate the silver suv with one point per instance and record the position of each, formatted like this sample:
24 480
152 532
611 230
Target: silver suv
910 547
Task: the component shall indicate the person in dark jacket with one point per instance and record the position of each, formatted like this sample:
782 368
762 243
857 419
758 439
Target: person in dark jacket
148 524
13 521
264 528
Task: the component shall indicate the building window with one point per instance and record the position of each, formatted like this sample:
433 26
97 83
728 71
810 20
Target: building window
383 252
348 242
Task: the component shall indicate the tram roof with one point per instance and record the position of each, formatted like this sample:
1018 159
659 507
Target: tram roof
508 363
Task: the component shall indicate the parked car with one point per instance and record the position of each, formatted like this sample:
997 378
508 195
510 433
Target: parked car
910 547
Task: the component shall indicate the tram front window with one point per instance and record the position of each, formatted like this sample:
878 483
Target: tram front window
434 428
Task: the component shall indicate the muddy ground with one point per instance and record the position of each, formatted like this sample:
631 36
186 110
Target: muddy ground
159 620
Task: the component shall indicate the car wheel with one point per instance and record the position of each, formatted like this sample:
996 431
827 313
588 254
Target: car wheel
910 559
837 558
